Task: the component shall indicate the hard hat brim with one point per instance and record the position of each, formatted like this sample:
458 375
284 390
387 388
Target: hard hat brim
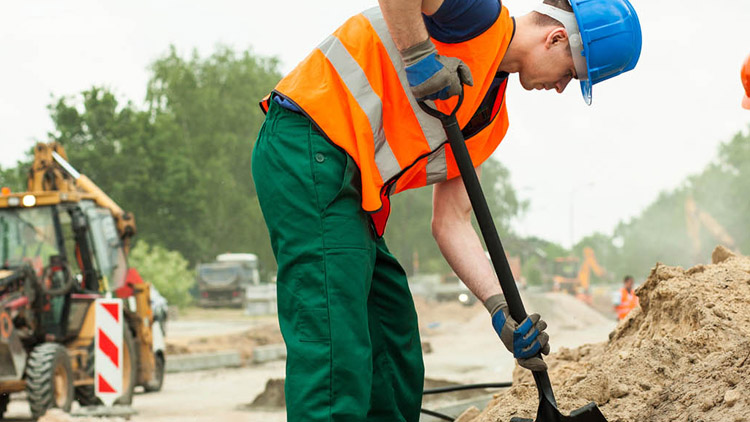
611 46
746 102
585 84
586 91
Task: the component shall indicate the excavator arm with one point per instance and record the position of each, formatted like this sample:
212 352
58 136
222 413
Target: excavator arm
52 172
589 264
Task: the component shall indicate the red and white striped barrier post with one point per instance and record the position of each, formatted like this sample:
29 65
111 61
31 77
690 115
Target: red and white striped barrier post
108 350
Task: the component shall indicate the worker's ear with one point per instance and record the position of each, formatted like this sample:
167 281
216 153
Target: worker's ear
557 36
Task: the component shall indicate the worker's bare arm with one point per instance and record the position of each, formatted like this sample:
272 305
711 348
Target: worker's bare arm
458 241
404 19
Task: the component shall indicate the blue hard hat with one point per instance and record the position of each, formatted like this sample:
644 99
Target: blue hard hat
611 35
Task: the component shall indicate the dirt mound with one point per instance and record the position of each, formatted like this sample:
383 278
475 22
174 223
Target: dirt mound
271 398
245 342
684 355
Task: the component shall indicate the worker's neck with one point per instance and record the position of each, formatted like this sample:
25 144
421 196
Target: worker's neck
526 37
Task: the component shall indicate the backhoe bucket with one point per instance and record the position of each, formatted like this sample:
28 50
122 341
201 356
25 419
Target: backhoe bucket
548 412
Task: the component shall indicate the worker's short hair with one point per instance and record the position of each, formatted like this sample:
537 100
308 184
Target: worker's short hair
544 20
627 278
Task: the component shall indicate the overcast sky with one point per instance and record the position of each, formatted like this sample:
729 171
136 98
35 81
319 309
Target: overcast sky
645 132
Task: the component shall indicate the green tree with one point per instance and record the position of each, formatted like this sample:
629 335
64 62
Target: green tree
14 177
131 156
167 270
533 270
213 105
728 180
502 198
660 234
409 234
182 165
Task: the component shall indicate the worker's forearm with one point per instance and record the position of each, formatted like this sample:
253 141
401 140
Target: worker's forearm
460 245
404 19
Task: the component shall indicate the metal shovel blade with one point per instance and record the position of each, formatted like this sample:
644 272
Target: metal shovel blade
549 413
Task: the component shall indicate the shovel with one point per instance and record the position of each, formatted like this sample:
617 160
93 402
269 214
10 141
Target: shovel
547 411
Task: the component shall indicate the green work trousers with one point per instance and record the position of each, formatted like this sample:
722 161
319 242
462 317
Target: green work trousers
345 309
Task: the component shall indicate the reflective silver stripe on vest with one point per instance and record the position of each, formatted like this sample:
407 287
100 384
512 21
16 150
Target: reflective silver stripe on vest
356 82
436 168
431 128
392 189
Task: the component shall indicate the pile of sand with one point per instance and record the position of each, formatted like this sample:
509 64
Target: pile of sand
683 356
244 342
271 398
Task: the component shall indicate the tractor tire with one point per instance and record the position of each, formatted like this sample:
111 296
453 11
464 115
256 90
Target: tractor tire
129 368
49 379
156 383
85 394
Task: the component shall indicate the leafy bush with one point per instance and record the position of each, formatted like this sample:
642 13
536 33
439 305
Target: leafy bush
531 270
165 269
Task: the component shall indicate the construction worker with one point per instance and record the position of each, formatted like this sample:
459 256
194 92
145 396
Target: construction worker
626 299
745 76
344 132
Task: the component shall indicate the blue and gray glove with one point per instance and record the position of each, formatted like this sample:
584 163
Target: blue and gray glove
432 76
526 340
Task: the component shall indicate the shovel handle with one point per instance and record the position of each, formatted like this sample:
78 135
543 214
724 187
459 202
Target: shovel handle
487 227
481 210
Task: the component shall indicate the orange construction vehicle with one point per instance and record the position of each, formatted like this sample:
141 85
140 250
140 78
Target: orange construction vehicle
63 244
573 275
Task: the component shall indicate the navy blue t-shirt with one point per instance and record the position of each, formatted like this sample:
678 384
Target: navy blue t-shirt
461 20
455 21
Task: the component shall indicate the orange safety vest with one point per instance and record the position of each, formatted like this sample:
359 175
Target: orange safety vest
628 302
353 87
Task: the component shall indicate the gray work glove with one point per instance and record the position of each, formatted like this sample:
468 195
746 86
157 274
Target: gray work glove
432 76
526 340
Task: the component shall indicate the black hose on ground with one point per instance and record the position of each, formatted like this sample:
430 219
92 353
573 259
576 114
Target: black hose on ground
453 388
462 387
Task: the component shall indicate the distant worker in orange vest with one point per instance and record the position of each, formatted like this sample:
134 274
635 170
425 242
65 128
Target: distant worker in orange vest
745 76
626 299
344 132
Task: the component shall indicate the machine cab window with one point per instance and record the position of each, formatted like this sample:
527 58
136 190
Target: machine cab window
27 235
107 246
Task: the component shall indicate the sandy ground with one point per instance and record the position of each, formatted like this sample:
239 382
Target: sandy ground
463 349
683 355
210 396
205 396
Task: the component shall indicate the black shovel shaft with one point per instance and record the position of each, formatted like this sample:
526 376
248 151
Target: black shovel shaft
490 235
547 411
484 218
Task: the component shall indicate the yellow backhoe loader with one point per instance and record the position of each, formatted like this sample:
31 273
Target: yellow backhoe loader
63 244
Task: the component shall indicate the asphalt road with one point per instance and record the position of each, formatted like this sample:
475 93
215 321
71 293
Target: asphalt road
464 349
